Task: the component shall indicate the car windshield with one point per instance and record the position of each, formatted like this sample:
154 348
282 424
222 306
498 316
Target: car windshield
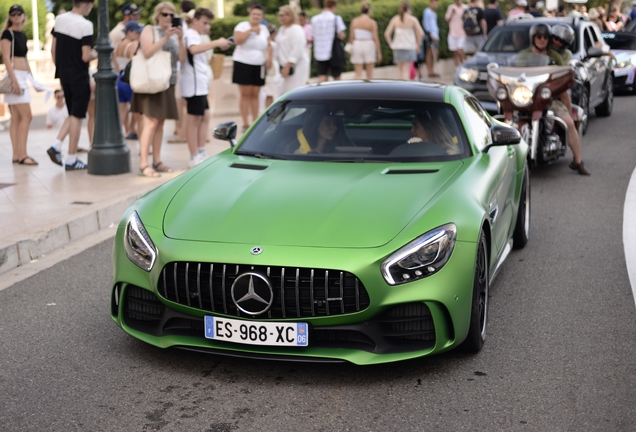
357 131
509 39
616 41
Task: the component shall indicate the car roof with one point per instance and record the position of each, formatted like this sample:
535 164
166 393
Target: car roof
374 89
572 21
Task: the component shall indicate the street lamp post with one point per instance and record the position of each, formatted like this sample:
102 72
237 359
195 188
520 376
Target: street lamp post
109 153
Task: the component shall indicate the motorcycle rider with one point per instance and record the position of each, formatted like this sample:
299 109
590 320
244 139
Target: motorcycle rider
540 36
562 40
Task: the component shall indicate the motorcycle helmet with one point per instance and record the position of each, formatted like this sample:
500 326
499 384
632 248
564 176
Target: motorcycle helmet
540 29
564 34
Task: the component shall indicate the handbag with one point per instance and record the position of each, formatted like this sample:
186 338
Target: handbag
151 75
217 65
6 85
338 56
125 74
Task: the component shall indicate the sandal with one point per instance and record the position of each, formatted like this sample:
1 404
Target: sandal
147 171
28 160
160 167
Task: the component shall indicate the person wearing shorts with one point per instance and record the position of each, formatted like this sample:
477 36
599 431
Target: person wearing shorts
456 33
324 27
365 42
194 81
71 51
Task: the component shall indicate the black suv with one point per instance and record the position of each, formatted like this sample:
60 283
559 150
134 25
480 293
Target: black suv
594 73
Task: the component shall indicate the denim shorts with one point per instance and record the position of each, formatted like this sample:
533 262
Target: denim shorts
402 55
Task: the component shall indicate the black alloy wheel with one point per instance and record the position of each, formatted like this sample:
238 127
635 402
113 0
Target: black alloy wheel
522 227
479 308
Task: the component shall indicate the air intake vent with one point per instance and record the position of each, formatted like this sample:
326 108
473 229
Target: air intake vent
249 166
411 171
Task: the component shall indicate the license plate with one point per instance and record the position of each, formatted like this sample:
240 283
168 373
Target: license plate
256 333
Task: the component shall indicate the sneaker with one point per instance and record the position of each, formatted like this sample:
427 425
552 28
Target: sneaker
197 159
580 168
132 136
56 156
78 165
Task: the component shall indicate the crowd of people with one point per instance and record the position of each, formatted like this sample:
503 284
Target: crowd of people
267 62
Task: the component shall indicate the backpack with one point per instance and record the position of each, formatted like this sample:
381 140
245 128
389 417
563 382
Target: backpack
471 26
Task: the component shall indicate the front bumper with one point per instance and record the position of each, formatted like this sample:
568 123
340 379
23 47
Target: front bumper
624 78
399 322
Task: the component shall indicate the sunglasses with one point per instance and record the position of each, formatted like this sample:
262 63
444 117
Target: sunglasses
542 36
167 14
16 13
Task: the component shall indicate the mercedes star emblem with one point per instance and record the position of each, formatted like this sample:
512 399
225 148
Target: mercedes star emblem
252 293
256 250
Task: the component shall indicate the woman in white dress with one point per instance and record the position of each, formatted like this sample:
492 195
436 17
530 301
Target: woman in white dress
290 50
406 40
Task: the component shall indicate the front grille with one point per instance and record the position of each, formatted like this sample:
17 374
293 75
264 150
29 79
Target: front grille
408 323
298 292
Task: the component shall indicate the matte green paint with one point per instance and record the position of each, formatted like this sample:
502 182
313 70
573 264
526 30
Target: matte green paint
344 216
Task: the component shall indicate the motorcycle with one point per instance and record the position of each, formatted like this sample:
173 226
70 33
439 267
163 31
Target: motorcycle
525 89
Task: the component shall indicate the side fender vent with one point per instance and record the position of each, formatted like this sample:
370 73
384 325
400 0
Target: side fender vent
249 166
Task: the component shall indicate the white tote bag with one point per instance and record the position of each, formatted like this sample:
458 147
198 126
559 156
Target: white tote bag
151 75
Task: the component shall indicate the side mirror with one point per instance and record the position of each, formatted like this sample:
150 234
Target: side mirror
504 135
594 52
226 131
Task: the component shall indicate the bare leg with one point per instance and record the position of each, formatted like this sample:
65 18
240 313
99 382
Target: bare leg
322 78
90 126
123 115
64 130
74 134
146 138
13 131
25 117
358 71
369 70
244 103
156 142
193 122
204 128
254 91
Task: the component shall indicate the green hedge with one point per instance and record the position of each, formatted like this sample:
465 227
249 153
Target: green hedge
381 12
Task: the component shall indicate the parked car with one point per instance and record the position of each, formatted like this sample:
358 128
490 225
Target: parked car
623 46
594 73
355 221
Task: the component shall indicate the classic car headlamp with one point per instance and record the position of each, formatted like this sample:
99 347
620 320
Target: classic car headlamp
468 75
420 258
521 96
139 247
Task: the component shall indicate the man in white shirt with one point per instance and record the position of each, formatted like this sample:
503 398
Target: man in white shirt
58 113
130 12
195 79
324 27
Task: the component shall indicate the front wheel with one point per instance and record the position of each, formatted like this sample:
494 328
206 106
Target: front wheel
605 109
479 307
522 227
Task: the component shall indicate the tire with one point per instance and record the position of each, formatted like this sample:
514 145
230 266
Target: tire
605 109
522 226
584 102
479 307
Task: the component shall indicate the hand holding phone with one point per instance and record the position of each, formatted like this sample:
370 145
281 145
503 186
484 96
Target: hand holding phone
230 40
176 21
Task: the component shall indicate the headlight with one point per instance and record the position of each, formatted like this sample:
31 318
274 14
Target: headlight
139 247
623 64
501 93
468 75
545 93
422 257
521 96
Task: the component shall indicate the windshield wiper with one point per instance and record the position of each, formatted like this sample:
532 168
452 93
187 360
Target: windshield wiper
259 155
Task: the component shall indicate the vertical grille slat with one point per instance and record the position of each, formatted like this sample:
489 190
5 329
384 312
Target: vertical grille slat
298 292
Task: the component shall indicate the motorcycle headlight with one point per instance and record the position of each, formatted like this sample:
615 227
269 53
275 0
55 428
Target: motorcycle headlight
422 257
139 247
521 96
468 75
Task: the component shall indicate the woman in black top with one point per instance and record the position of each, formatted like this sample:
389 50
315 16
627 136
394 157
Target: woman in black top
14 50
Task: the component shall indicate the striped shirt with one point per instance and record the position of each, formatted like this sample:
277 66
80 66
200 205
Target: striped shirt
323 31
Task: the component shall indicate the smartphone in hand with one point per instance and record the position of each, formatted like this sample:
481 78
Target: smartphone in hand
230 40
176 21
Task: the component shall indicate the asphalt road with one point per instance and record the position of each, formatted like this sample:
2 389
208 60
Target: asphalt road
560 354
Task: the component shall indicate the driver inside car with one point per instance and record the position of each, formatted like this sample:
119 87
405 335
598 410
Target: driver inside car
540 36
429 127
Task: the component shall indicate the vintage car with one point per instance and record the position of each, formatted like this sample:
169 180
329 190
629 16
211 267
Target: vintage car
354 221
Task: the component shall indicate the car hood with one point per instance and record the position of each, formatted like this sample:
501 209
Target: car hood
291 203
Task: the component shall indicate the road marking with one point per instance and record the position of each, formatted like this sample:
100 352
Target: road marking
629 232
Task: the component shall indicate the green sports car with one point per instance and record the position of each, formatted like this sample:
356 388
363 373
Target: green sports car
358 221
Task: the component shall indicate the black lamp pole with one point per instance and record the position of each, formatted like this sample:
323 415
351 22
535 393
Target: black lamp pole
109 153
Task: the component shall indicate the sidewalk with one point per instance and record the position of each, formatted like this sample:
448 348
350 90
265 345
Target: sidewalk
44 208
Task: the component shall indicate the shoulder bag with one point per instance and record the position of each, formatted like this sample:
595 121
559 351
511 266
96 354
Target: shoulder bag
6 85
151 75
338 55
